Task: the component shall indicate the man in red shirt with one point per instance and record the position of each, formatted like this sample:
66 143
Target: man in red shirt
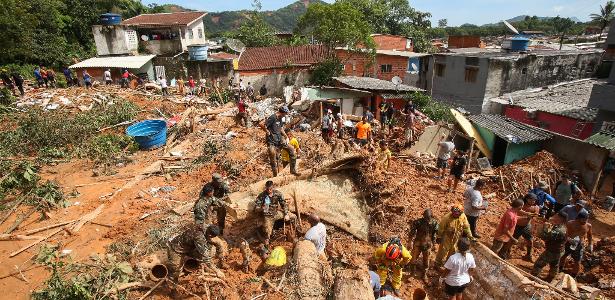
504 233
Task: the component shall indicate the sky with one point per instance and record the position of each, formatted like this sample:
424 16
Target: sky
457 12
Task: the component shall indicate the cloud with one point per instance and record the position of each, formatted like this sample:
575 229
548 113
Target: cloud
558 8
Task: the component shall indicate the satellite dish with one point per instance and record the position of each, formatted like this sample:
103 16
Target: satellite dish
512 28
236 45
414 67
145 38
396 80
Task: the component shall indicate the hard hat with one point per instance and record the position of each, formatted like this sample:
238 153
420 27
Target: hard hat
393 251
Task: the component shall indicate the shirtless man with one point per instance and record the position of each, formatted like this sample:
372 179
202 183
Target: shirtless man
424 232
576 231
524 224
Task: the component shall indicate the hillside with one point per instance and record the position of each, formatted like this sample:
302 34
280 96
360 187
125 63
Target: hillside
522 17
283 19
171 8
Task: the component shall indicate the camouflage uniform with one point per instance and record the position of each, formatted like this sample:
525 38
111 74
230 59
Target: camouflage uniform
221 191
202 208
554 238
424 232
191 242
270 212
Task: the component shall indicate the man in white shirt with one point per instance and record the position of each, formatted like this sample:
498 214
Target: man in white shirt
163 85
445 147
317 234
107 77
473 204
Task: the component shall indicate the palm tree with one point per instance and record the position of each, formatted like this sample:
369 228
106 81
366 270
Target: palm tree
605 16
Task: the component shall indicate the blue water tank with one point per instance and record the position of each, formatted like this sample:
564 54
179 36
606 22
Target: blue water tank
110 19
519 43
198 52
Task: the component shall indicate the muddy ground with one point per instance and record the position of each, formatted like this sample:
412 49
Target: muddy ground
395 198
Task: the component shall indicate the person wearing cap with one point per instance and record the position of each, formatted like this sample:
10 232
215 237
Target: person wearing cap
276 139
268 204
392 256
317 234
453 226
423 234
554 235
524 224
327 126
206 201
195 241
220 192
576 232
543 199
503 237
573 210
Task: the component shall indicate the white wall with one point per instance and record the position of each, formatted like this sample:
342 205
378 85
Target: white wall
185 38
113 40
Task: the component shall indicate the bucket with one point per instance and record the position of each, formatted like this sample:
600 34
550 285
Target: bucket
149 134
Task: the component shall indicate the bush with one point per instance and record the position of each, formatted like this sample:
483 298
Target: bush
435 110
104 149
325 71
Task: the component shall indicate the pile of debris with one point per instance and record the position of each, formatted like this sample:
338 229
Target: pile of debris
600 266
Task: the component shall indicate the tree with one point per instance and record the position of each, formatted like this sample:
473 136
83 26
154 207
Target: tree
562 26
255 32
442 23
607 12
324 72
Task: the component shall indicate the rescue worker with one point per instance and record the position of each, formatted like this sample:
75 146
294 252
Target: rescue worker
195 241
392 257
268 204
453 226
577 231
423 231
206 201
221 191
276 139
554 235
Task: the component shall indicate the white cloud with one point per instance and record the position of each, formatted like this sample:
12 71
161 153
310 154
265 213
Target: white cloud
558 8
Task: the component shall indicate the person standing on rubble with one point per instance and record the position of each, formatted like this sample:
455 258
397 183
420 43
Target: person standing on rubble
44 76
181 86
107 77
242 111
573 210
87 79
293 142
263 91
192 85
206 201
68 75
39 78
457 270
409 114
503 237
18 80
458 169
383 157
543 199
473 205
276 139
364 132
124 80
576 232
392 256
452 227
565 191
554 235
423 234
221 191
163 86
195 241
6 81
524 224
250 91
268 203
327 126
445 147
51 78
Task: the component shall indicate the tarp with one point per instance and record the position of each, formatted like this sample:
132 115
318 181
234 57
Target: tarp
129 62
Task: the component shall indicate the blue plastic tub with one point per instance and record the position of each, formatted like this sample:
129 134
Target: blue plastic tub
110 19
149 134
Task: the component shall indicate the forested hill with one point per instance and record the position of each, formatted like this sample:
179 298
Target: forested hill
283 19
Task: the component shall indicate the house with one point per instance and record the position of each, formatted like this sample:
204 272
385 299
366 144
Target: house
507 139
279 66
465 41
347 101
393 42
140 65
217 65
609 54
468 78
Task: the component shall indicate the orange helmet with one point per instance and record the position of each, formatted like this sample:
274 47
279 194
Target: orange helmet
393 251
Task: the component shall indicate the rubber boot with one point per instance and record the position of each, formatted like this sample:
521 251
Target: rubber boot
293 166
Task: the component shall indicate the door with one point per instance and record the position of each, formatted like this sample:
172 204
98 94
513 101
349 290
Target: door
160 72
499 151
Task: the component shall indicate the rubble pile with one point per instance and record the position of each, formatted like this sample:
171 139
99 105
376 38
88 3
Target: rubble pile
600 266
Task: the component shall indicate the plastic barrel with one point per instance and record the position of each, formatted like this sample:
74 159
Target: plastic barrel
197 52
110 19
519 43
149 134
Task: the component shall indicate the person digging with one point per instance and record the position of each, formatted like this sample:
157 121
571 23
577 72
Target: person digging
206 201
268 205
392 257
276 139
524 224
423 231
577 230
554 235
195 241
220 192
452 227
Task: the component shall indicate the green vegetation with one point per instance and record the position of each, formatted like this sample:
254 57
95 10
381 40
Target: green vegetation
23 184
324 72
435 110
603 19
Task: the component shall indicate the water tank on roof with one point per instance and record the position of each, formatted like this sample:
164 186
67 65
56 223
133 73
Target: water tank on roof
110 19
198 52
519 43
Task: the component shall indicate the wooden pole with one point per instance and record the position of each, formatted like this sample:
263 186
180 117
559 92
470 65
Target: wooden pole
502 181
470 156
30 245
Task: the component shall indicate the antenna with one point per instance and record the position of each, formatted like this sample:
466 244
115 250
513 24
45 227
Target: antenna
396 81
512 28
236 45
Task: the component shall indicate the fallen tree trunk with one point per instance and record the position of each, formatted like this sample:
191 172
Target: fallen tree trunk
353 285
311 284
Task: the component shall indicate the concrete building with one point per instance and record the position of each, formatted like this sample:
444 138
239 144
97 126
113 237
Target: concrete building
140 65
467 78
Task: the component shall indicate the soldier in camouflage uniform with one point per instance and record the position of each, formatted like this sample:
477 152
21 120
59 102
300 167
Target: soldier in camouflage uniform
268 203
221 191
424 232
195 241
555 237
202 207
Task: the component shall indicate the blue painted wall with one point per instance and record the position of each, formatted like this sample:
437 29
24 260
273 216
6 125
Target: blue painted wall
516 152
487 136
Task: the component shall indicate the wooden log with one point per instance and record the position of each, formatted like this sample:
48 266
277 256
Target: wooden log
87 218
35 243
502 181
33 231
297 210
19 221
13 209
18 237
152 289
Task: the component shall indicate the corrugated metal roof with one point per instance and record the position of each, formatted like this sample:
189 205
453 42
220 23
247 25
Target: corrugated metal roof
509 129
401 53
165 19
405 96
603 139
373 84
129 62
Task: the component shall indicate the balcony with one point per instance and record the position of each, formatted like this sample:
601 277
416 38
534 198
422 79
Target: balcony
162 47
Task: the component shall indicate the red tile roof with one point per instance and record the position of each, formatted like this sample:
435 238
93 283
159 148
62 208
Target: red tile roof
165 19
263 58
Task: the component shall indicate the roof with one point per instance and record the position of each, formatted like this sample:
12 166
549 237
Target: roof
509 129
264 58
129 62
499 54
341 89
165 19
401 53
223 56
373 84
404 96
569 99
603 139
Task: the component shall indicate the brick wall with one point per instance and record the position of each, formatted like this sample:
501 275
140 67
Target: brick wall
356 64
465 42
392 42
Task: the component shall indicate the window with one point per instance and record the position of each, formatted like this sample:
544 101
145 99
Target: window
414 65
190 34
471 74
408 43
524 71
472 61
200 33
386 68
440 69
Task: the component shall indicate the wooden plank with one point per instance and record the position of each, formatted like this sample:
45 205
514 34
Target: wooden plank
88 217
469 129
35 243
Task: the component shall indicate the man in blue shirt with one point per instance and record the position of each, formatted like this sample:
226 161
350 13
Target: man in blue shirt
39 77
543 199
573 210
